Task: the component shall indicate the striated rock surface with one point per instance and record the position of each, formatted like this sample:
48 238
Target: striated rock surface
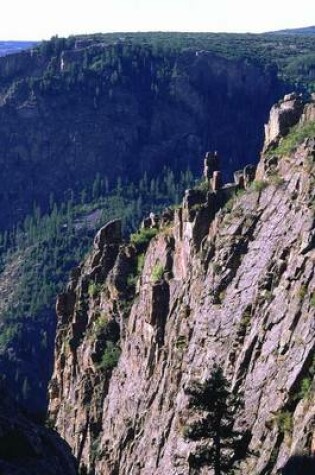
229 279
27 447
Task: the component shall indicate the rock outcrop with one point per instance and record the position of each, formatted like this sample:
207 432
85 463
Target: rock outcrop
287 113
228 280
283 115
27 447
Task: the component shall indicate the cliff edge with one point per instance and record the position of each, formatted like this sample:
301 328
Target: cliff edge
226 279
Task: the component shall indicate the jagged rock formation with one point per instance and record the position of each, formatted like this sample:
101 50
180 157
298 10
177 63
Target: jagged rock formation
27 447
283 115
228 278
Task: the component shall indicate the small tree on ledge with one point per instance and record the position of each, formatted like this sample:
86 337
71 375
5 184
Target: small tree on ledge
221 445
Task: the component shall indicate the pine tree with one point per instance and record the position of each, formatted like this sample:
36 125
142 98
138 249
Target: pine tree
216 406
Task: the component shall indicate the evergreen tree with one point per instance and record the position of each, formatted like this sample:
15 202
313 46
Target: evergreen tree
216 406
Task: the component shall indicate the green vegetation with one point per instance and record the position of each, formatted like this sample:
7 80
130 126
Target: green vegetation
216 407
230 203
37 255
110 356
133 276
157 272
140 263
245 321
181 342
275 179
39 252
142 237
284 421
100 324
302 292
259 185
293 55
94 289
217 268
304 390
306 386
140 240
295 137
47 246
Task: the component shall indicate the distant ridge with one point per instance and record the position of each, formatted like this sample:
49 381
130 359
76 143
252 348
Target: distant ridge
307 30
9 47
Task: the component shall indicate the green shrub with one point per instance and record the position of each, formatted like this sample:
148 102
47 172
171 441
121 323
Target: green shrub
259 185
284 421
181 342
134 275
239 193
143 237
110 356
302 292
305 388
96 452
131 280
294 138
217 268
245 321
94 289
275 179
140 263
157 273
229 205
100 324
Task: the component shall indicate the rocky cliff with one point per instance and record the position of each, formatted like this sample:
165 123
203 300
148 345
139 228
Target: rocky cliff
27 447
226 279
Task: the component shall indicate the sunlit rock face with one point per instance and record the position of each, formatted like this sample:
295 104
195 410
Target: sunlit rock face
228 279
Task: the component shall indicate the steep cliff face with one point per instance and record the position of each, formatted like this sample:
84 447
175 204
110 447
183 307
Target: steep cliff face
228 279
68 114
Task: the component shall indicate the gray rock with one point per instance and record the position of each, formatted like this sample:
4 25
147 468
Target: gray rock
239 292
108 234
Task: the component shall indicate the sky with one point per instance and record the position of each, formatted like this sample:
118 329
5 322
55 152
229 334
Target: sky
42 19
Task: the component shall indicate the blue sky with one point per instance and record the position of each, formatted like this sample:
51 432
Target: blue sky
41 19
